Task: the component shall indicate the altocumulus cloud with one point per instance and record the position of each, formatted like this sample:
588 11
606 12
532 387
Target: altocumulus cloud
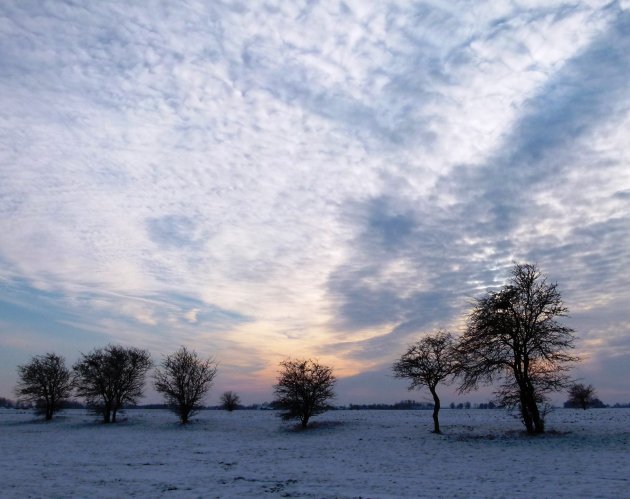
328 178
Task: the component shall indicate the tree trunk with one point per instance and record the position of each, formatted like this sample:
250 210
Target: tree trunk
305 422
539 423
436 410
106 416
534 423
525 414
184 411
49 413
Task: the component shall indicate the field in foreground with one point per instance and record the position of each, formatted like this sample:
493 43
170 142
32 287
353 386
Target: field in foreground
482 453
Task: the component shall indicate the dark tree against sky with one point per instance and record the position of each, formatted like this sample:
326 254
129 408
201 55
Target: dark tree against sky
304 389
111 377
184 378
581 396
230 401
46 382
429 361
513 335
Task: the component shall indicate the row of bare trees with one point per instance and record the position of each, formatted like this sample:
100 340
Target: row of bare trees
112 377
512 337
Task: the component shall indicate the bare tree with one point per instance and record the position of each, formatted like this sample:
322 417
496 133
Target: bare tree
512 335
111 377
230 401
46 382
303 390
429 361
581 396
184 379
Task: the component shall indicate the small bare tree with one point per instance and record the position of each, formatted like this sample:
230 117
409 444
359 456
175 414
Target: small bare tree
303 390
230 401
111 377
46 382
581 396
184 379
429 361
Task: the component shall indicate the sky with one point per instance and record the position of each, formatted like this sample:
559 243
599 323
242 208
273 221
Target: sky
327 179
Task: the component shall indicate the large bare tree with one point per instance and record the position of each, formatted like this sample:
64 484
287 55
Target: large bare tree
429 361
111 377
46 382
183 379
513 336
303 390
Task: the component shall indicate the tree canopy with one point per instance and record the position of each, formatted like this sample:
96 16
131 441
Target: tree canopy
183 378
304 389
46 382
582 396
111 377
513 335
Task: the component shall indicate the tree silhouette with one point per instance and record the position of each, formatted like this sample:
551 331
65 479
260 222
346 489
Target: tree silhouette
303 390
111 377
230 401
184 379
429 361
46 382
513 335
581 396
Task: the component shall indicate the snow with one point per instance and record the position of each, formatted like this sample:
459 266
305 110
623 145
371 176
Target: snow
482 453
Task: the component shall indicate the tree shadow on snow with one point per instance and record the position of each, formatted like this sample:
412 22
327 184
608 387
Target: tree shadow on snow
469 435
313 427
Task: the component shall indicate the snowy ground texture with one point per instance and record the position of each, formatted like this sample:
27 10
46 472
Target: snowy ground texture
482 453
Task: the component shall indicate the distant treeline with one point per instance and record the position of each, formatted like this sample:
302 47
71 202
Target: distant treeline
594 403
251 407
403 405
6 403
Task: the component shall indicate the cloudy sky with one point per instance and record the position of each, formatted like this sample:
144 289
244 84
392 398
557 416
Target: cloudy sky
329 179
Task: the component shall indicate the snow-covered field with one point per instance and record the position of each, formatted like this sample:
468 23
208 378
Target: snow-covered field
482 453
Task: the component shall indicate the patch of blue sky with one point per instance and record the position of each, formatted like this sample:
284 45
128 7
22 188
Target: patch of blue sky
46 312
